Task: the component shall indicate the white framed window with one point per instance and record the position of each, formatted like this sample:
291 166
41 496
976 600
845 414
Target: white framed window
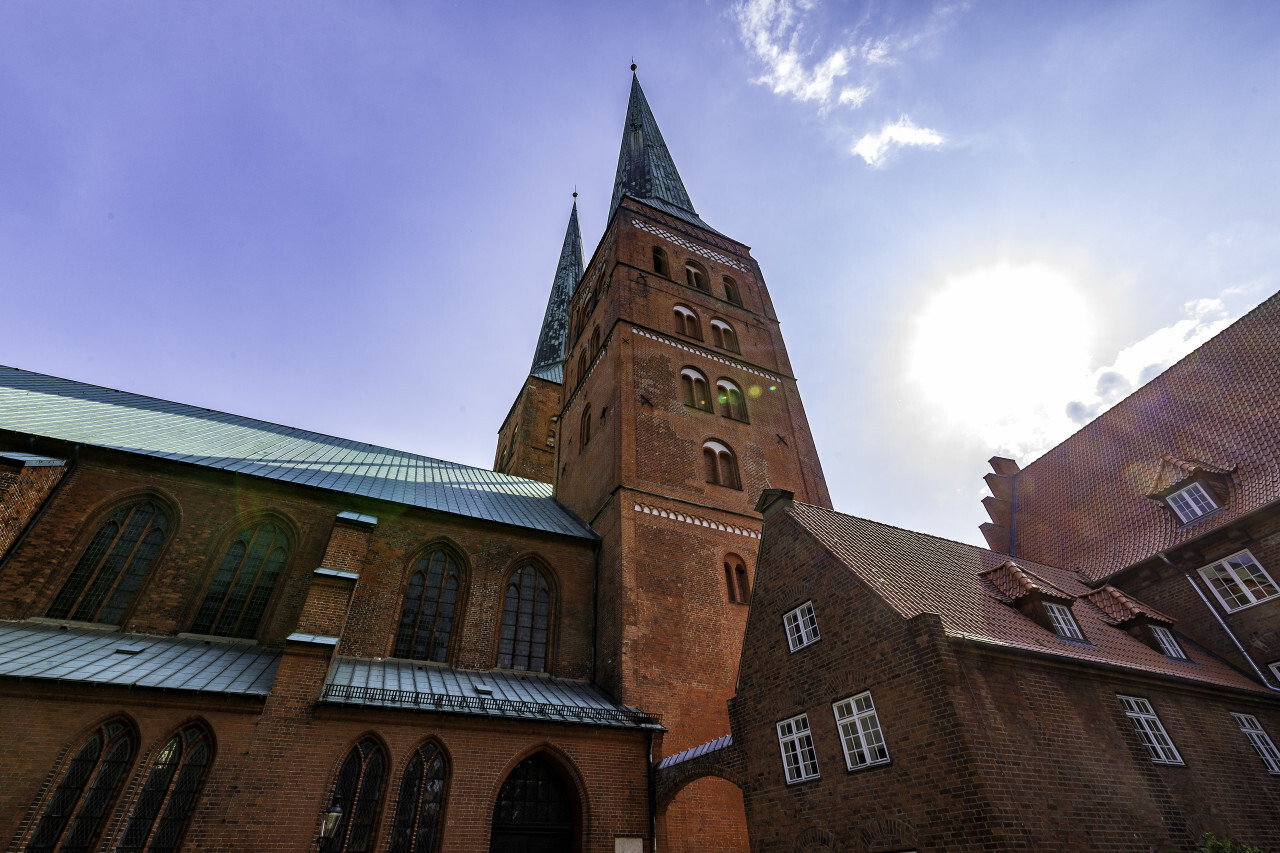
1192 502
1239 582
1168 643
1064 624
1261 741
1150 731
802 626
860 732
1274 666
799 759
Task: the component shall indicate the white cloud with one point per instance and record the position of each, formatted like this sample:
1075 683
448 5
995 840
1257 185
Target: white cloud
854 97
771 30
876 147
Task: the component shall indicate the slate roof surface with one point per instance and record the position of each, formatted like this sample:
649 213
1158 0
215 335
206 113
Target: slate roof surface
51 652
1083 504
646 171
43 405
697 752
915 573
416 686
548 357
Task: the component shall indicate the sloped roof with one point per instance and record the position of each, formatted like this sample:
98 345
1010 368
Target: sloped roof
1014 582
646 171
50 652
423 687
1083 504
915 573
548 357
1174 471
1120 607
37 404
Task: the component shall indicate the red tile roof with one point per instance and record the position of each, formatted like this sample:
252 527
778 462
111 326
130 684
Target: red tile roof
1014 582
1083 504
1119 607
1174 471
915 573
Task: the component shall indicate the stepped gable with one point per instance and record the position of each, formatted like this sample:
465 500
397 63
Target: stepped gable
915 573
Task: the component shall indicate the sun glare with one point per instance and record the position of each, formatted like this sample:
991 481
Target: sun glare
995 350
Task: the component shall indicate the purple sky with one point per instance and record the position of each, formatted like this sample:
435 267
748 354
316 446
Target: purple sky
980 222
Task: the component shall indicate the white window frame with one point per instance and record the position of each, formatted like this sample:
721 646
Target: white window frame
1168 643
801 626
1241 596
1274 666
1150 730
1261 741
1192 502
1063 621
860 732
799 758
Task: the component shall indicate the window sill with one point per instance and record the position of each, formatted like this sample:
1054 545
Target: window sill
1244 606
802 781
805 646
870 766
1187 525
74 623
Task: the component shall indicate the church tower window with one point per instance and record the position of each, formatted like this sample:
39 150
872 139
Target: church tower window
102 585
735 578
695 275
731 292
584 428
695 390
721 465
732 403
660 263
526 621
430 600
687 323
722 335
243 584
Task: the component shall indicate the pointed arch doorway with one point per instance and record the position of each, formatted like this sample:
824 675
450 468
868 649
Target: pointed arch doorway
536 811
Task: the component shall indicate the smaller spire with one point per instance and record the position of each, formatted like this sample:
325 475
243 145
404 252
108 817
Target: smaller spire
548 358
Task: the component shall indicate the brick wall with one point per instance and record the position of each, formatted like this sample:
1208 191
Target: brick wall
527 439
23 488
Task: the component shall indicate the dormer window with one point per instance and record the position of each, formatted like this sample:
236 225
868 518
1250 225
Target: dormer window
1239 582
1192 502
1168 643
1064 623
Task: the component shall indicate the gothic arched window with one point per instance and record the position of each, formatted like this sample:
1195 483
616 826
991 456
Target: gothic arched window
115 561
721 465
535 809
582 365
74 816
731 291
584 428
735 578
526 621
695 275
416 828
732 403
245 579
687 323
426 620
722 335
660 264
694 389
159 818
358 792
595 340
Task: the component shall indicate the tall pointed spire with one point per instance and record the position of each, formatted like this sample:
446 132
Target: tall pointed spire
548 358
646 171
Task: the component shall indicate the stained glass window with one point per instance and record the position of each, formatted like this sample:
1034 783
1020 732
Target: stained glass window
159 818
534 809
526 618
421 804
430 601
112 567
242 587
73 817
358 792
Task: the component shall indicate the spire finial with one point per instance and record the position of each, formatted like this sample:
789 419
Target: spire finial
633 65
575 190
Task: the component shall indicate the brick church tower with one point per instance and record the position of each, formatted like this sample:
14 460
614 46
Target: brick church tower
676 407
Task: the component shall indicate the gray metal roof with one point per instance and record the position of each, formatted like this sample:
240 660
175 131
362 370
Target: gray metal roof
51 652
43 405
722 742
31 460
549 356
427 687
646 171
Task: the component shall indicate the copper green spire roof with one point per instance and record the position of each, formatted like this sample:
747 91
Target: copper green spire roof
646 171
548 358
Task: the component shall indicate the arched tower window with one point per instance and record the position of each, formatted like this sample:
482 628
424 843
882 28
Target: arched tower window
735 579
687 322
109 572
721 465
534 810
660 263
420 807
584 428
245 579
732 403
595 340
694 388
358 791
695 275
722 335
426 620
76 811
582 365
160 817
731 292
526 621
